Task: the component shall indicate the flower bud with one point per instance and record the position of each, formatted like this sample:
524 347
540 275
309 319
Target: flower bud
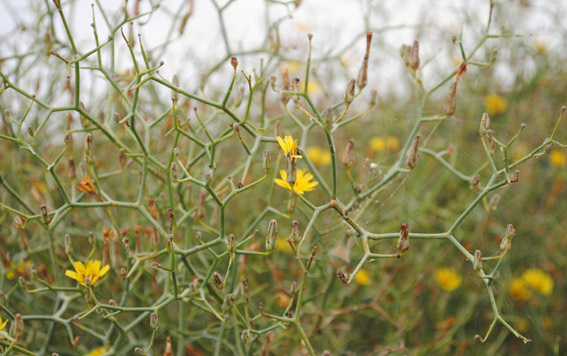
405 53
89 149
413 155
362 78
348 157
217 280
343 277
234 62
404 240
295 88
231 244
493 202
484 124
477 260
30 131
71 173
475 182
414 56
174 170
291 170
349 94
295 235
200 212
490 141
44 214
18 328
267 161
271 236
22 282
245 336
373 98
139 351
154 322
174 93
451 101
122 158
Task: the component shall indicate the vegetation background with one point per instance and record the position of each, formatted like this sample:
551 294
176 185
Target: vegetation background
429 301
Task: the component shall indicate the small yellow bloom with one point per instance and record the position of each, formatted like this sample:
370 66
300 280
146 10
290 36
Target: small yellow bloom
92 271
363 277
3 325
289 146
313 87
97 352
448 278
282 245
318 156
540 46
377 144
294 66
557 158
518 290
495 104
304 182
392 143
539 281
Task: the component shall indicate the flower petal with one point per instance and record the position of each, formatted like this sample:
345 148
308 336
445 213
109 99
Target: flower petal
103 271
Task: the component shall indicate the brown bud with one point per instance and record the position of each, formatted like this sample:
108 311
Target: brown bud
349 94
217 280
295 235
362 78
343 277
451 102
18 328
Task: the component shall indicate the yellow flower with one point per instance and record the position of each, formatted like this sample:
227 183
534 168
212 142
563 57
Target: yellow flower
539 281
289 146
92 271
318 156
518 290
97 352
363 277
294 66
448 278
557 158
282 245
377 144
392 143
3 325
313 87
304 182
495 104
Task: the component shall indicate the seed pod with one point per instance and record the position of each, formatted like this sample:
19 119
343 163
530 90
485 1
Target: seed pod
362 78
349 94
89 149
154 321
414 56
477 260
404 240
413 155
295 235
271 236
217 280
348 157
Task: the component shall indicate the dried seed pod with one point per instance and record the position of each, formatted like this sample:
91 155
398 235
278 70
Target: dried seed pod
154 321
18 328
343 277
477 260
451 101
484 124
